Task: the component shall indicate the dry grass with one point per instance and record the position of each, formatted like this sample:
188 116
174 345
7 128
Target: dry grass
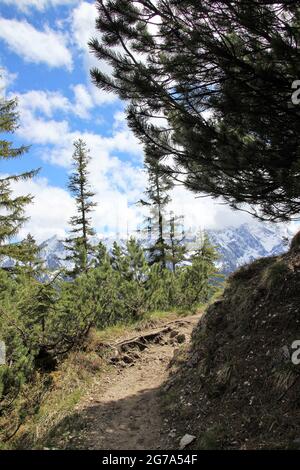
68 384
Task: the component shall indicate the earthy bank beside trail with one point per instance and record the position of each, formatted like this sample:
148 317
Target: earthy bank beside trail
238 387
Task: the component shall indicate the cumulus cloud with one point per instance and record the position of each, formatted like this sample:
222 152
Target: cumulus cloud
118 184
83 101
83 24
42 101
205 212
36 107
40 5
83 21
32 45
40 131
6 79
50 211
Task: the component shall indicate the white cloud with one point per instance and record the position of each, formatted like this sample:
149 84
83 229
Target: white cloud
36 105
47 46
50 211
83 24
43 101
83 21
40 131
83 101
118 184
102 97
25 5
33 107
6 80
205 212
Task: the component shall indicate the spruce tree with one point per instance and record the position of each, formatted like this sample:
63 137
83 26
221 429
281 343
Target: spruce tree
137 264
222 74
78 244
31 264
133 279
201 279
12 207
101 255
178 248
157 200
118 259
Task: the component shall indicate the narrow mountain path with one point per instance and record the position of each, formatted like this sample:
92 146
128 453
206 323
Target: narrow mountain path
123 411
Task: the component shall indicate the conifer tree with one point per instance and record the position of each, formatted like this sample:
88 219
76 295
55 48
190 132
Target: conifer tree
117 258
178 249
224 75
78 243
134 277
157 200
199 280
137 264
101 255
12 208
31 263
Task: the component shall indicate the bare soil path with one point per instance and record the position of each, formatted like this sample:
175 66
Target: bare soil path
123 412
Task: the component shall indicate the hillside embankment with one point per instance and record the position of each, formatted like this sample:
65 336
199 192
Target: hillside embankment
238 383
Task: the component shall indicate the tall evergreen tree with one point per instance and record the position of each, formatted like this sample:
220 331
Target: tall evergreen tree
12 208
178 248
222 74
78 244
157 199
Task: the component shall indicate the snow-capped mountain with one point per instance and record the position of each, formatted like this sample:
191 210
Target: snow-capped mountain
236 245
241 245
53 253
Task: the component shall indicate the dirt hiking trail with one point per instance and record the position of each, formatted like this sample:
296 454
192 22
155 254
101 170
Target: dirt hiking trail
123 411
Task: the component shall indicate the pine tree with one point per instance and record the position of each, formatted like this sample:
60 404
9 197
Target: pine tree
31 264
200 280
161 289
130 274
101 255
137 264
157 200
78 244
12 207
118 259
178 248
134 277
222 74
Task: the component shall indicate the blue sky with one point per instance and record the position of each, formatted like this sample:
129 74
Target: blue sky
45 62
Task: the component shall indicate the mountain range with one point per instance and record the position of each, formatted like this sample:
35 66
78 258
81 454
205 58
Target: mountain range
236 245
